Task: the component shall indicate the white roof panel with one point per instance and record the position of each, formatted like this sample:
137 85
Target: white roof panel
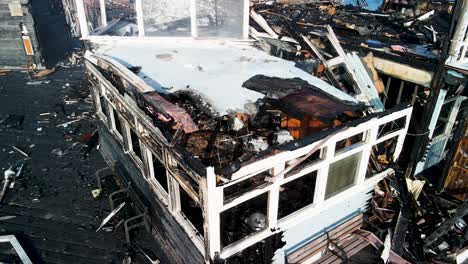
213 69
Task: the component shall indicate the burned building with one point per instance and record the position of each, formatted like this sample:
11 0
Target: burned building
236 155
406 54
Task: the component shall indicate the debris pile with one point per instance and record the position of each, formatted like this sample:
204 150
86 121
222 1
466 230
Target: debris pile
418 223
399 35
284 115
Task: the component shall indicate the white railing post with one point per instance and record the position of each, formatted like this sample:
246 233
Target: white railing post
102 6
140 22
80 10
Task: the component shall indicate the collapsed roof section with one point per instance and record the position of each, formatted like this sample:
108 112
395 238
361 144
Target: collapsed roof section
414 37
227 110
403 40
298 98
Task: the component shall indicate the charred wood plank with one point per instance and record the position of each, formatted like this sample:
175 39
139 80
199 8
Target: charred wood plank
446 226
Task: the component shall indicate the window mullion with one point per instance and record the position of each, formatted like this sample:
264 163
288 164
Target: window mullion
322 174
139 13
273 197
102 6
193 18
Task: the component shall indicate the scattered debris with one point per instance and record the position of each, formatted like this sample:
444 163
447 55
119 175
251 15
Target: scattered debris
66 124
20 151
7 217
109 217
43 73
91 143
4 72
38 82
11 121
9 177
149 256
59 152
96 193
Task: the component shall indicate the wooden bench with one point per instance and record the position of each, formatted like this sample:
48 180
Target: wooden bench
340 239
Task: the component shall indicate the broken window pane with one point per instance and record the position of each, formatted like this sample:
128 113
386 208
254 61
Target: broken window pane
117 123
93 14
382 156
116 9
256 181
342 174
104 106
296 194
169 18
121 18
192 211
244 219
349 143
312 159
251 255
135 144
391 126
346 80
159 172
220 18
443 119
187 178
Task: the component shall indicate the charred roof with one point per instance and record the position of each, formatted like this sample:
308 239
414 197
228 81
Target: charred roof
414 37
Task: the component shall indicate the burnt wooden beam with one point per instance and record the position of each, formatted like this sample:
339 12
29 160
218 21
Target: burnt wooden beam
447 225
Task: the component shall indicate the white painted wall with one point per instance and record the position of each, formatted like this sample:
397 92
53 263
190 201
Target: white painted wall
314 225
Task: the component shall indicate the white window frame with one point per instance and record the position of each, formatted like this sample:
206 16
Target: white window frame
190 229
97 93
131 152
113 113
211 196
151 175
216 204
458 52
445 135
85 34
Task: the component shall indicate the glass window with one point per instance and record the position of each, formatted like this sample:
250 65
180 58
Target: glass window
296 194
249 184
135 144
443 119
93 14
159 173
117 123
392 126
312 159
104 106
121 18
220 18
382 156
342 174
187 178
244 219
169 18
191 210
120 9
349 143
